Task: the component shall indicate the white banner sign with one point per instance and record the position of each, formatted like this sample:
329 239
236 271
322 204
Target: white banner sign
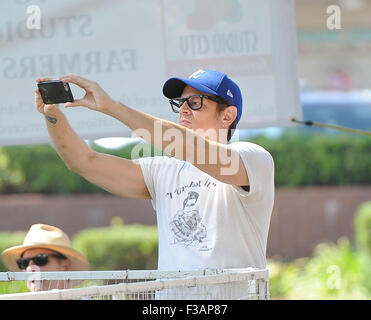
132 47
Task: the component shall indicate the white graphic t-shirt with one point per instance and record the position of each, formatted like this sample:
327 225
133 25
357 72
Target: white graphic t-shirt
204 223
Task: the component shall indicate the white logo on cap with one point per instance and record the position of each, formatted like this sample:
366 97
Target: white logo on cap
229 93
197 74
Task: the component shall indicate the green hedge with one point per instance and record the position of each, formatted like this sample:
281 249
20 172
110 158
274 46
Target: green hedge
362 224
39 169
10 239
119 247
335 271
317 159
300 160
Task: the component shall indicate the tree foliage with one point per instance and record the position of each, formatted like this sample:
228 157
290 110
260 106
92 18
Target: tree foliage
300 160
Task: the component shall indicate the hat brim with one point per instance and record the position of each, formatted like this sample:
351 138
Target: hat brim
10 256
174 87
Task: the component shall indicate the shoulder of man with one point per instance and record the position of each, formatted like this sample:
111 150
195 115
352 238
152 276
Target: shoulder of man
248 146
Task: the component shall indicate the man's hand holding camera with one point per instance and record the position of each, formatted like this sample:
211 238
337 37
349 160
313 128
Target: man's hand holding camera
95 97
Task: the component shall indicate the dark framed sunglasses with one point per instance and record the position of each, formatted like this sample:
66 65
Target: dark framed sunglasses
40 260
195 102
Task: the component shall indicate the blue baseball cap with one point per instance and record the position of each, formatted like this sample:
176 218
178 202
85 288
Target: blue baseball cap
208 81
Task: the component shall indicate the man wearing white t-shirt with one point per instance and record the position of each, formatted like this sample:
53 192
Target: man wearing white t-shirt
213 199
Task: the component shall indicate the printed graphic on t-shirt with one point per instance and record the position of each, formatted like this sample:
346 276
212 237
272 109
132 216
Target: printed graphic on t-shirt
186 226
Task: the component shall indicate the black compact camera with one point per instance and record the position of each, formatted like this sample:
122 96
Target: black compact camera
55 91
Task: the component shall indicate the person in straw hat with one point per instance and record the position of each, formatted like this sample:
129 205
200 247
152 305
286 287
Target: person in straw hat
45 248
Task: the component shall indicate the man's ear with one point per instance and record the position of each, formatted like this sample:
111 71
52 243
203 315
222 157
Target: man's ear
229 115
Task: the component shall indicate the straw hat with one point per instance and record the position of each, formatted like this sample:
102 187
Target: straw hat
48 237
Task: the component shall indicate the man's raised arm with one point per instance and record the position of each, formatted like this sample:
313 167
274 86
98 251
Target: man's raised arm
217 159
118 176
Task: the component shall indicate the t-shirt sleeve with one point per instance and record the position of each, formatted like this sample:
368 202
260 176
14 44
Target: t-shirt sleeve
147 164
259 166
